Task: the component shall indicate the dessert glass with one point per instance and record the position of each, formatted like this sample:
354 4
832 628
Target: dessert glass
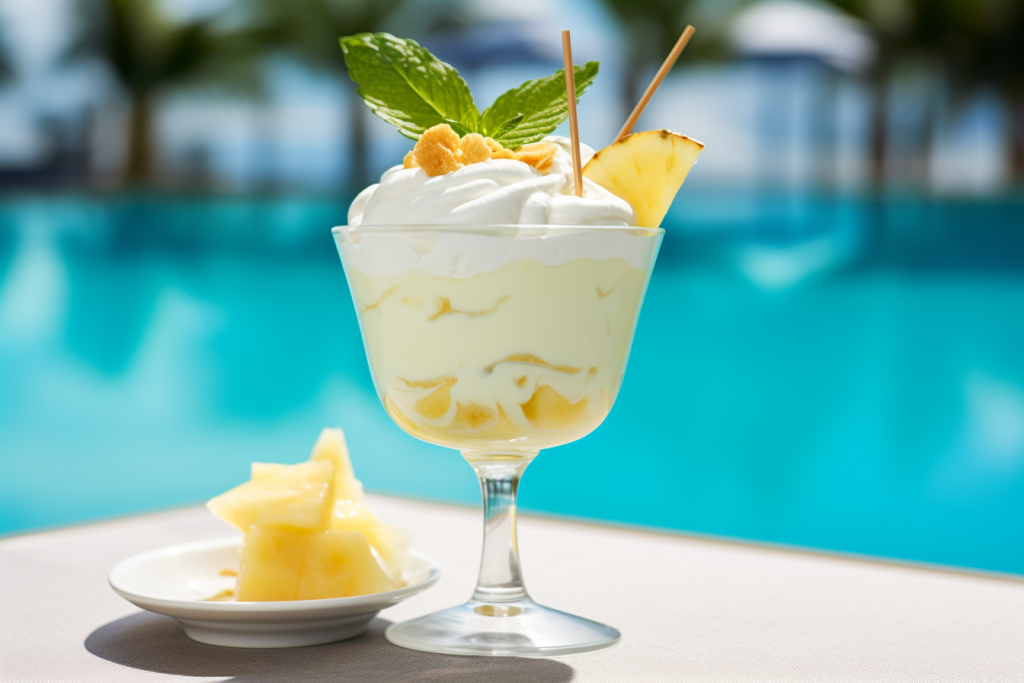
498 341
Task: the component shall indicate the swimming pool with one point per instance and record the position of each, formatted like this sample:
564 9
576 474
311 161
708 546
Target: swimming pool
844 374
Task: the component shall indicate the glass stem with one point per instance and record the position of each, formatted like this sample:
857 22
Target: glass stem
501 578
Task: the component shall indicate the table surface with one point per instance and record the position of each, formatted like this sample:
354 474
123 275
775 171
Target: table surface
688 608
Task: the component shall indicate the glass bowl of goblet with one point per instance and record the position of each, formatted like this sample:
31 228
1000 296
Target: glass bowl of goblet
498 341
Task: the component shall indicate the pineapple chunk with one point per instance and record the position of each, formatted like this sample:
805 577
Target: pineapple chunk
272 563
286 564
549 410
263 471
331 447
390 542
293 496
339 564
646 169
308 532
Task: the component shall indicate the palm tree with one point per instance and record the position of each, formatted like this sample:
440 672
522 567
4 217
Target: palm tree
982 44
973 44
148 53
7 70
652 27
309 30
893 24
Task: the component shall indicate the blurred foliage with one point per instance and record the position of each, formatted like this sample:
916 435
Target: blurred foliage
309 31
971 43
979 44
975 41
965 45
653 26
148 52
7 70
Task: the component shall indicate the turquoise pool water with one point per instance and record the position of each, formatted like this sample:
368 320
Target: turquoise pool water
830 373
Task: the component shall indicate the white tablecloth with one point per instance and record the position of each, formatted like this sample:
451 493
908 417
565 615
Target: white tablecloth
689 609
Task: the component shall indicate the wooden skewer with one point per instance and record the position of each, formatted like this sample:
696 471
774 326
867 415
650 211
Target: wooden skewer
574 131
666 66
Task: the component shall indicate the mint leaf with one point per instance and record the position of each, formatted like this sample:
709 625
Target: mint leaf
460 128
542 104
407 86
506 126
412 90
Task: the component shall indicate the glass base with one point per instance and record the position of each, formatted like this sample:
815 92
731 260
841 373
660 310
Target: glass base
508 629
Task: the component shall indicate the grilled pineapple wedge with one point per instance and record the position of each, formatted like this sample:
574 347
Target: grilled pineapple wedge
646 169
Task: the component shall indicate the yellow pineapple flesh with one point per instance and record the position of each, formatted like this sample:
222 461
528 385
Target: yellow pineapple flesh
287 564
547 409
390 542
264 471
339 564
331 447
271 565
646 169
308 532
294 496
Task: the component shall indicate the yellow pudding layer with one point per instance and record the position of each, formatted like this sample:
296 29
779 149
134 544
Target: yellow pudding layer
524 357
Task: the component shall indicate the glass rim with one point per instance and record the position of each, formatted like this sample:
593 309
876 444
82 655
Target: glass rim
499 229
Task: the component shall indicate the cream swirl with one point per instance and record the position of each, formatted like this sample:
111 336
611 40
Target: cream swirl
493 192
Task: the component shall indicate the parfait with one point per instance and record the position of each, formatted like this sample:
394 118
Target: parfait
481 340
497 274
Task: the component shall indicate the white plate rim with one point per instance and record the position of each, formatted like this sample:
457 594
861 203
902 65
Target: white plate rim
231 611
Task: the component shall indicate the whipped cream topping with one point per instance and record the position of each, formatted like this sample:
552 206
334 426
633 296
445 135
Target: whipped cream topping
460 253
493 192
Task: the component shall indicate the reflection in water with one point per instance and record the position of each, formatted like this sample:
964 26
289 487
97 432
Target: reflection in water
149 353
35 287
110 306
995 419
773 267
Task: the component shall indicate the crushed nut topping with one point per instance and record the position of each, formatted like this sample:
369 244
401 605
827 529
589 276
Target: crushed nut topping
474 149
440 151
437 151
540 155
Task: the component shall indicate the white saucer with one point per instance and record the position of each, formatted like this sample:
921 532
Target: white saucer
178 580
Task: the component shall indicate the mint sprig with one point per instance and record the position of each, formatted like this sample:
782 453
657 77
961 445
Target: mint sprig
542 104
406 85
413 90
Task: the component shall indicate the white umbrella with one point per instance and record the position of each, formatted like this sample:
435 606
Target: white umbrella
792 29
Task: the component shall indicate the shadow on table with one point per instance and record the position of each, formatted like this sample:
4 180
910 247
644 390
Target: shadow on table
154 643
